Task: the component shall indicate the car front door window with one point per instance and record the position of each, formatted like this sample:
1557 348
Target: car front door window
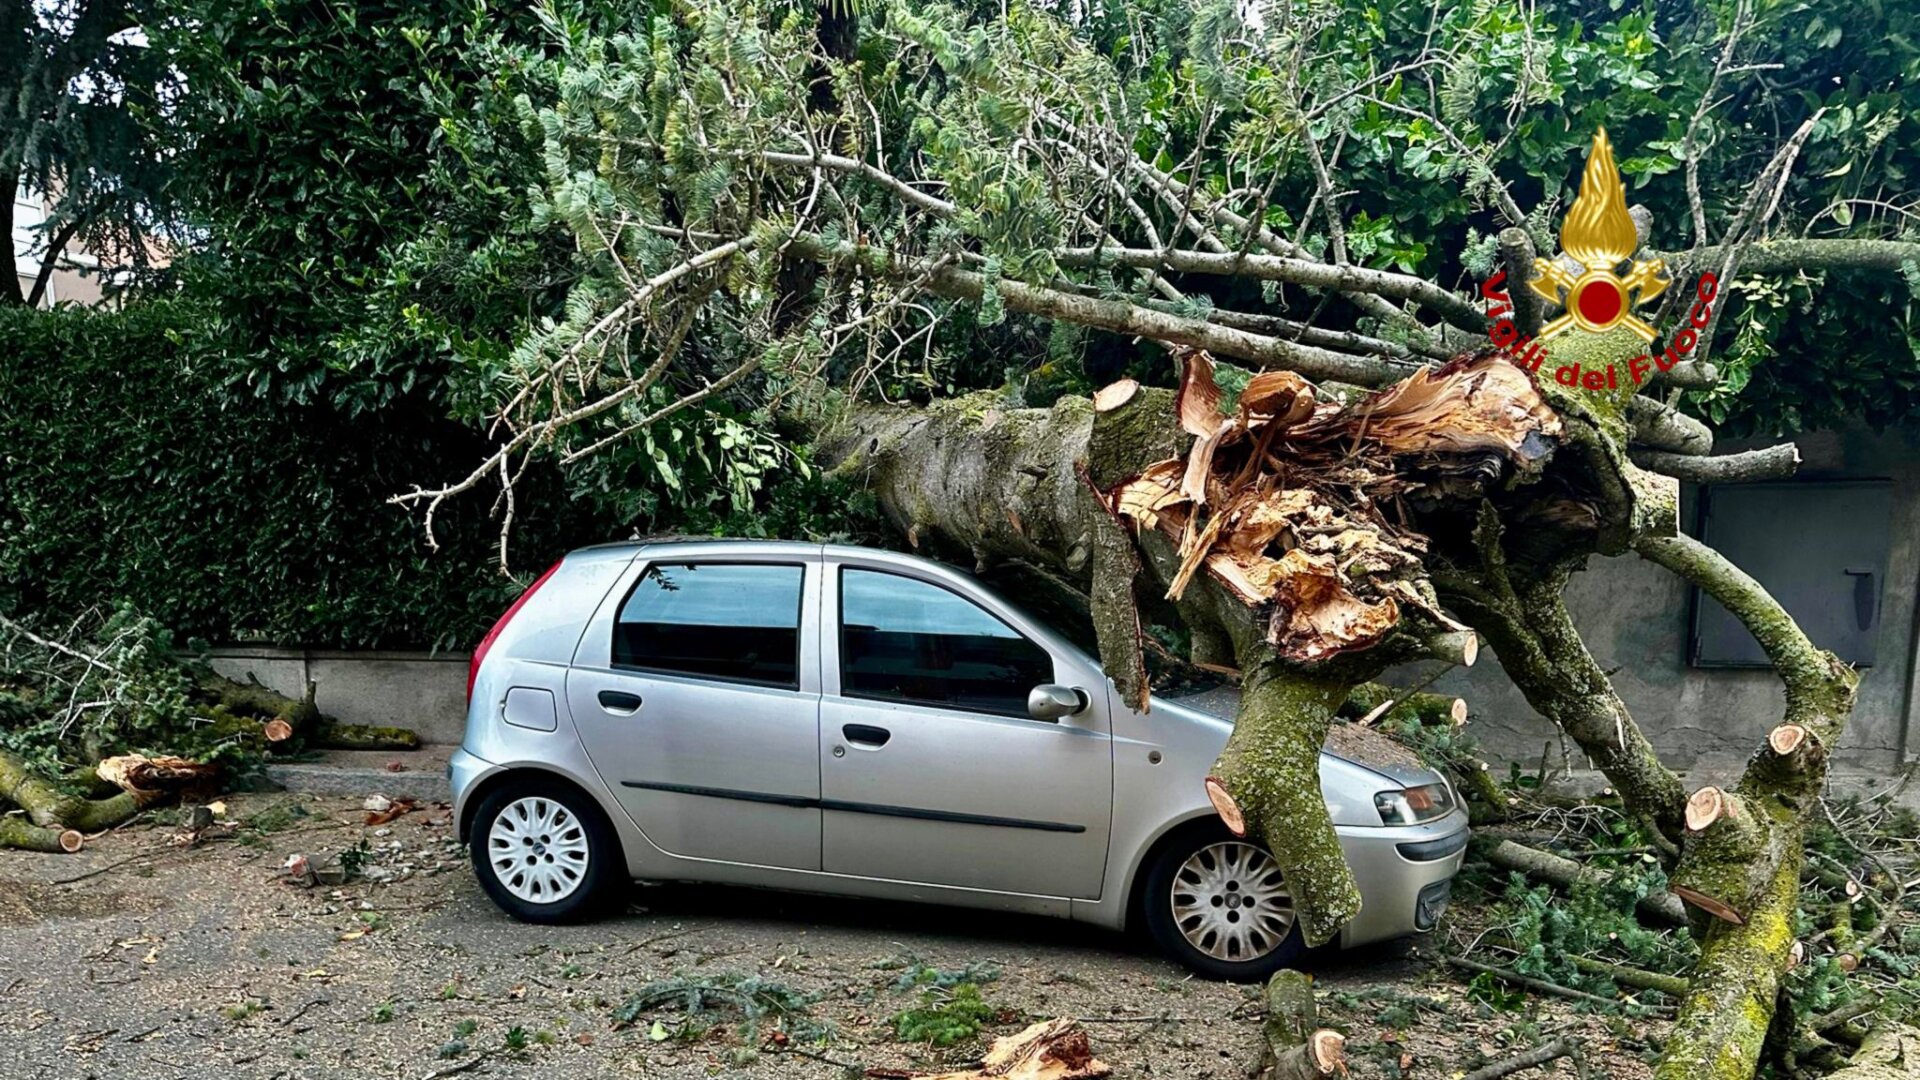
911 641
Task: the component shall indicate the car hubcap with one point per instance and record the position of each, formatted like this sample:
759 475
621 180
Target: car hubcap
1230 903
538 849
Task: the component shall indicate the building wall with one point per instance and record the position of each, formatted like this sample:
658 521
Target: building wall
68 284
1635 617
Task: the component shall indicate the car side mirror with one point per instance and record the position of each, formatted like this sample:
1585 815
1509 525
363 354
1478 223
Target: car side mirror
1051 701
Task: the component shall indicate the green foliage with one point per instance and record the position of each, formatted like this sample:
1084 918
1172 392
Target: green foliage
360 176
1548 931
127 691
353 863
915 974
129 478
945 1015
709 1000
664 124
83 102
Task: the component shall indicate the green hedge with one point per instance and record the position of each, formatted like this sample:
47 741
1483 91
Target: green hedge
128 473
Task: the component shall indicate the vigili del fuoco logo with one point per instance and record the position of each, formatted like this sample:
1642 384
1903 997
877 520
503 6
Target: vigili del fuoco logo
1597 241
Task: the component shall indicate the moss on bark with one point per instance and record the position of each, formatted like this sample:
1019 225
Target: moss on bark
366 737
1271 767
1723 1021
49 807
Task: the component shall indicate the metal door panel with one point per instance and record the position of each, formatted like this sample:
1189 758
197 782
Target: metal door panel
1819 547
983 802
961 798
708 769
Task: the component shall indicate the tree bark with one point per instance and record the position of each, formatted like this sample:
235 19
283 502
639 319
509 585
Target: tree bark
970 477
1741 864
1295 1046
23 835
1528 626
1436 710
1772 463
1889 1052
49 807
365 737
10 292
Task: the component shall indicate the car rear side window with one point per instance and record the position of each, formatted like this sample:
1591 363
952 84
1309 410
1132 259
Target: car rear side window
734 621
913 641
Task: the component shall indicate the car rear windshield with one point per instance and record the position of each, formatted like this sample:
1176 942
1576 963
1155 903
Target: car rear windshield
734 621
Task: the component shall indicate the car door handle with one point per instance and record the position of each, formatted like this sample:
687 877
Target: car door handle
866 735
619 702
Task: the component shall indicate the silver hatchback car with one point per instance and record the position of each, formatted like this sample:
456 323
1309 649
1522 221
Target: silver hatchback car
844 720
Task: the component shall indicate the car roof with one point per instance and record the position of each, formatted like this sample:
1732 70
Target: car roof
694 546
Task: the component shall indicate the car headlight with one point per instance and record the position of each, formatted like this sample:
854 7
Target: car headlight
1411 806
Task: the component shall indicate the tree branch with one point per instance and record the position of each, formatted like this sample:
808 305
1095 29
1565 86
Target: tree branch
1772 463
1116 316
1347 279
48 262
1662 427
1785 256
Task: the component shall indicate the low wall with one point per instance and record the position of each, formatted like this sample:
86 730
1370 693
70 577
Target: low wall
423 691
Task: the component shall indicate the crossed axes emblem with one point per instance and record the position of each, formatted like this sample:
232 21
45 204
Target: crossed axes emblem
1598 299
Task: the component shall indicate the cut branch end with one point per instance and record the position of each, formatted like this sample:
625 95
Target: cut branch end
1226 807
1114 395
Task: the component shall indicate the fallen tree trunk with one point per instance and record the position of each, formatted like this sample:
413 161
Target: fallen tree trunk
1265 532
280 721
49 807
1375 703
1294 1046
1889 1052
17 832
970 478
1661 907
1639 978
1741 860
365 737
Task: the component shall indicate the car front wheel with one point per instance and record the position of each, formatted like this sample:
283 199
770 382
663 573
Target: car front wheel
1220 906
544 852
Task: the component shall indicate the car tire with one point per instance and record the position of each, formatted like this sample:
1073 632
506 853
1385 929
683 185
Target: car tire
545 851
1218 906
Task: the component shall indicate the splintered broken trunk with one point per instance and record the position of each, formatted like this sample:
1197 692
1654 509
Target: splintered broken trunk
1280 528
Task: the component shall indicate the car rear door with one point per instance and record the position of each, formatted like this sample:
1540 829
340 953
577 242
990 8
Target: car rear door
697 696
931 769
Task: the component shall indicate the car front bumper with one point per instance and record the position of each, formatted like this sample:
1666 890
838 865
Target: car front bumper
1404 874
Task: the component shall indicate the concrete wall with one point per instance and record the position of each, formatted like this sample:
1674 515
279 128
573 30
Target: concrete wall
1634 616
423 691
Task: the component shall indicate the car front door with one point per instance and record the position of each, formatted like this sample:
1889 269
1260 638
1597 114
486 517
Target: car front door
697 697
931 768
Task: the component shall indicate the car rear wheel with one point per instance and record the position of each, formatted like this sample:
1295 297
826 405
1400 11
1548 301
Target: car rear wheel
1220 906
544 852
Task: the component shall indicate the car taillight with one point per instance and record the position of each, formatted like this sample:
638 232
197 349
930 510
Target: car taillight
480 650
